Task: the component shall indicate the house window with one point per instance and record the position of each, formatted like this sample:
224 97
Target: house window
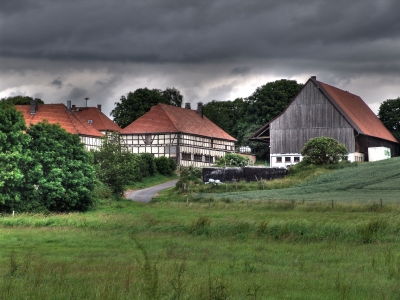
198 157
147 139
186 156
278 159
296 159
208 158
287 159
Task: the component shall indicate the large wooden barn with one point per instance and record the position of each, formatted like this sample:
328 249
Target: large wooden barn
320 109
180 133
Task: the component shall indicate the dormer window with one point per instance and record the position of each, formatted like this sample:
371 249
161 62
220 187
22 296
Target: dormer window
90 122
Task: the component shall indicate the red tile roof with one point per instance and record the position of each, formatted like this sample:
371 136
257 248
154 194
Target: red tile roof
99 120
58 114
164 118
356 112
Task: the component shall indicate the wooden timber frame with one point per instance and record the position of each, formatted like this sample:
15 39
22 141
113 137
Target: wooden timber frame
186 149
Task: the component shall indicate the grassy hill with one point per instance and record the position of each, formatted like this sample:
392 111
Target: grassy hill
366 182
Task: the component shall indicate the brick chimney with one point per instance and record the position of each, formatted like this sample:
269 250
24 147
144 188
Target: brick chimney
33 106
200 109
187 105
99 107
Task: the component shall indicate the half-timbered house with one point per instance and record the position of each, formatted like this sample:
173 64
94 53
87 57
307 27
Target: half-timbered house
183 134
60 114
96 118
318 110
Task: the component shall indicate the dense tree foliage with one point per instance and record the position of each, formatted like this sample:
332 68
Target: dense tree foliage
136 104
116 167
323 150
44 169
20 100
242 117
62 170
389 114
13 158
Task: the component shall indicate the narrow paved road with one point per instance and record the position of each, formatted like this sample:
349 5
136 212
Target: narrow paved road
146 195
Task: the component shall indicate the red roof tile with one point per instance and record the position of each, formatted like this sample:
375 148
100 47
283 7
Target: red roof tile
99 120
357 112
164 118
58 114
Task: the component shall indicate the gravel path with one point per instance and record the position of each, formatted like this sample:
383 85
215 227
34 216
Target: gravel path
146 195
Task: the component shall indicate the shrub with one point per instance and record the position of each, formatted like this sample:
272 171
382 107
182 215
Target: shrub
116 166
149 166
232 160
188 175
165 165
323 150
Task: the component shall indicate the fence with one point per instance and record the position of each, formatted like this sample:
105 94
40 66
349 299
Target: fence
238 174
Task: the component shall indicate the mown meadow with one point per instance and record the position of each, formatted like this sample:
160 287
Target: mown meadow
182 246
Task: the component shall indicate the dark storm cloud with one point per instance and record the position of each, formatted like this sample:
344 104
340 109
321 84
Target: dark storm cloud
57 82
199 31
77 94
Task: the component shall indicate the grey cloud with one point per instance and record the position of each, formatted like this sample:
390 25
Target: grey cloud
220 92
77 94
240 70
57 82
159 31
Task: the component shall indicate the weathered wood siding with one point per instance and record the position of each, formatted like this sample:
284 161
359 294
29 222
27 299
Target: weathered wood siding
310 115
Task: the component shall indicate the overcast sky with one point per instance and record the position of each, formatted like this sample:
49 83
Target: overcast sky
61 50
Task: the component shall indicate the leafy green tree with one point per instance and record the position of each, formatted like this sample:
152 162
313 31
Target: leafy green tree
20 100
115 166
173 96
389 114
13 158
323 150
269 100
61 176
225 114
232 160
136 104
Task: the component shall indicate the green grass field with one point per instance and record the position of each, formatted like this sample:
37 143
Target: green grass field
211 248
367 182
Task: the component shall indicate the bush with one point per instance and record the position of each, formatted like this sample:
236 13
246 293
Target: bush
188 175
149 166
116 166
165 165
323 150
232 160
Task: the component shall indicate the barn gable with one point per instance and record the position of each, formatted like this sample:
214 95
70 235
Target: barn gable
310 114
323 110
